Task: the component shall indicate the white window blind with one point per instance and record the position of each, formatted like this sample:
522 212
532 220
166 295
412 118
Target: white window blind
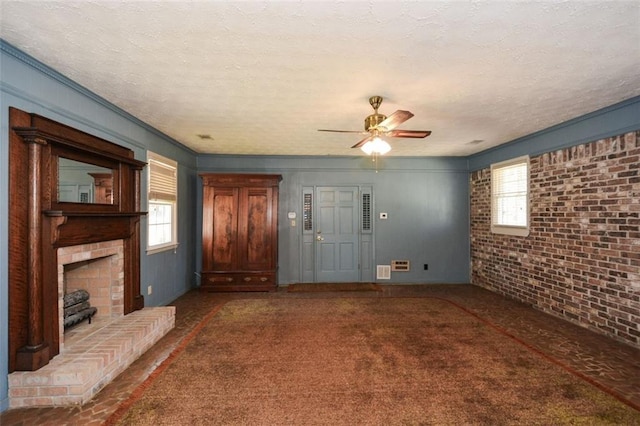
510 197
163 196
163 184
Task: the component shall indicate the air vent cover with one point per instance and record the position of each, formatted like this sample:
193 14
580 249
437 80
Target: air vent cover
400 265
383 272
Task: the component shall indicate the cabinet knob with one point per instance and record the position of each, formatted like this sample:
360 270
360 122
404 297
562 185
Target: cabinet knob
263 279
229 279
247 279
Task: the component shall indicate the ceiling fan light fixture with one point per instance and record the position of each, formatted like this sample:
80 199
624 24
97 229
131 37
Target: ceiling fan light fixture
377 146
378 124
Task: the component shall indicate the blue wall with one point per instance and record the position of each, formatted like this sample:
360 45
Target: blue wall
426 198
33 87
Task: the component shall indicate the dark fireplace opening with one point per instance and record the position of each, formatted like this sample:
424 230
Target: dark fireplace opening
90 285
77 308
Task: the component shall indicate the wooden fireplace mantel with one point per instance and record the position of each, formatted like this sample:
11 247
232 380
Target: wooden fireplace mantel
74 228
41 221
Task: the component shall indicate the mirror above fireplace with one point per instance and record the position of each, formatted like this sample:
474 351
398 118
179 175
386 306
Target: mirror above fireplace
80 182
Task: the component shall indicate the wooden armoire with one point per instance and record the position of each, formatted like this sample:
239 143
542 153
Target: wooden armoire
239 232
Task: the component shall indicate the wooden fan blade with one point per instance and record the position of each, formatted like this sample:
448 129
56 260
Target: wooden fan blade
342 131
362 142
409 133
394 120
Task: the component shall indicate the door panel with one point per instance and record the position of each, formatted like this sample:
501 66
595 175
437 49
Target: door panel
337 238
327 256
327 220
222 240
347 225
347 257
256 249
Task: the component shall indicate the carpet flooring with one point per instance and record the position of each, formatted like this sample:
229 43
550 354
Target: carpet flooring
361 361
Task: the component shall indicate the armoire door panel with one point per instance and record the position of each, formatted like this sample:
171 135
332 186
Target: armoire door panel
256 248
225 229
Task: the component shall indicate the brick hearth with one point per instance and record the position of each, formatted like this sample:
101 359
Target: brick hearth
95 355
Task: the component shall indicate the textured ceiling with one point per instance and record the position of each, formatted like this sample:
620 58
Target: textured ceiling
261 77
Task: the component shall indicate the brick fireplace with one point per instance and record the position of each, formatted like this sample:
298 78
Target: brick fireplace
56 242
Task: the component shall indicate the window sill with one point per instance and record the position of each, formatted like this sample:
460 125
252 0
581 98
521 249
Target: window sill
518 231
162 248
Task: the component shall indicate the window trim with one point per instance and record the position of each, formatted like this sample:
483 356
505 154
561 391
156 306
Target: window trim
515 230
168 163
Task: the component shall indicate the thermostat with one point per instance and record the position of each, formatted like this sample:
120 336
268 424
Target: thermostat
291 215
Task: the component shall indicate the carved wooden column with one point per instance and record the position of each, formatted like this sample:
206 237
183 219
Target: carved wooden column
36 353
138 298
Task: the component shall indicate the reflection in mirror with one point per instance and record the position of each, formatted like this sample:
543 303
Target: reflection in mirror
84 183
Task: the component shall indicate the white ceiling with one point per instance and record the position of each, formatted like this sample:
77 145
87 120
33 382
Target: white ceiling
261 77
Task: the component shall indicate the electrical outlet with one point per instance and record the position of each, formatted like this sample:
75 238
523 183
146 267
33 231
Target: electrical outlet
149 290
426 266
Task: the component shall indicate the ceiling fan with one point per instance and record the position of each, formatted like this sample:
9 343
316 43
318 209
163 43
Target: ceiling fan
377 125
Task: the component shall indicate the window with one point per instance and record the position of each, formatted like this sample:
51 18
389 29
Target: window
510 197
163 197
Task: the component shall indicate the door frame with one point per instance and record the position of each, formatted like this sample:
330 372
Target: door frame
366 234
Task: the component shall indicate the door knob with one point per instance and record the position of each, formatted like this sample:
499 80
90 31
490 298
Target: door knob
319 238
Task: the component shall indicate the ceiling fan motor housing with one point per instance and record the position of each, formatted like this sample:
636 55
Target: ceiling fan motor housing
372 121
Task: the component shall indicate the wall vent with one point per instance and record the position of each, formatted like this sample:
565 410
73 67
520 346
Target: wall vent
400 265
383 272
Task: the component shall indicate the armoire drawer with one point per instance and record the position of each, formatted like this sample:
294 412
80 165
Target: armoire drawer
217 279
239 281
252 279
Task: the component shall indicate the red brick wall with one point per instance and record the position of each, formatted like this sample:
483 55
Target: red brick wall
581 260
